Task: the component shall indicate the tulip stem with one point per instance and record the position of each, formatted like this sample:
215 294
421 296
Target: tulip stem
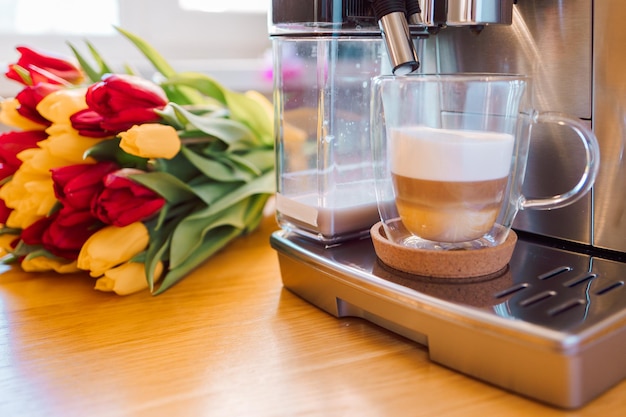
194 141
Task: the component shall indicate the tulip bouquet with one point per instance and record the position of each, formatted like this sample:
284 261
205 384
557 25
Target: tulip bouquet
135 181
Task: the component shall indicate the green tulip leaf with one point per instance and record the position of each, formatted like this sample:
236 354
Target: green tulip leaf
23 249
190 233
225 194
242 107
23 73
36 253
152 261
210 192
171 117
264 184
214 242
230 209
109 150
240 163
201 83
92 73
231 132
256 161
103 66
251 113
219 169
10 231
254 214
166 185
178 167
160 63
158 250
215 238
175 94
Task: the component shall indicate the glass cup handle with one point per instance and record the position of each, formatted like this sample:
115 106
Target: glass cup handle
592 153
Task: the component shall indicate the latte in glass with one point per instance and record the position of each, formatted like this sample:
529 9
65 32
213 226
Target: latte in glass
449 184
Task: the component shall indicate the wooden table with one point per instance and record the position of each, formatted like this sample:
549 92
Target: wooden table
228 340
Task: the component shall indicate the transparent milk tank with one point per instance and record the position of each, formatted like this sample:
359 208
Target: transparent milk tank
325 55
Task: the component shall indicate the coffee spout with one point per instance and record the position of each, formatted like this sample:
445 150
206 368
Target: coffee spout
392 20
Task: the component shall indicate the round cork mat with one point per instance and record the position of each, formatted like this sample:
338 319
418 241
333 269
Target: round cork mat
442 264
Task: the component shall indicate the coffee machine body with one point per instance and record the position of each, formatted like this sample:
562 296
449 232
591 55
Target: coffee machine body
572 50
327 52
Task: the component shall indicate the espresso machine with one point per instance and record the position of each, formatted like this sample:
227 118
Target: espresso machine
552 326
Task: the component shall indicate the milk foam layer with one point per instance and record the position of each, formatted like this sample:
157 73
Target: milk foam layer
450 155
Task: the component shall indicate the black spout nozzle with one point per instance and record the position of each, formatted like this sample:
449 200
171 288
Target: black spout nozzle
385 7
413 12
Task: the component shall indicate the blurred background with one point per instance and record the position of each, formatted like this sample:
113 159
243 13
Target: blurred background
225 39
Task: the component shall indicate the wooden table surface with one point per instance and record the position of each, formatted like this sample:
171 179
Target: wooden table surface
228 340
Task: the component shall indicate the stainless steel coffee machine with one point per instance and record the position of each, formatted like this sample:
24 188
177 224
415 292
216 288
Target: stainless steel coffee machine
552 325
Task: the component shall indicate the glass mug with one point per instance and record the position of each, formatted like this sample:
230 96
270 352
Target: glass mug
450 152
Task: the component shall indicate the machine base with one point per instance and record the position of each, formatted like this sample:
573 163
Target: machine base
552 326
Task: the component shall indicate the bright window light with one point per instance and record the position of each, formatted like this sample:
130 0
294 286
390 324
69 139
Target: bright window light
35 17
241 6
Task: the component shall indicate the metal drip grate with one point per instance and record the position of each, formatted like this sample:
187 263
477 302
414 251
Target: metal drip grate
551 327
566 297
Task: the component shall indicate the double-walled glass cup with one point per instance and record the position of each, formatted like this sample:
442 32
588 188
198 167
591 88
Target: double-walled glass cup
450 153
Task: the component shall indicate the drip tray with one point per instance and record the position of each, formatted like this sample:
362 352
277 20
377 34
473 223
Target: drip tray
551 326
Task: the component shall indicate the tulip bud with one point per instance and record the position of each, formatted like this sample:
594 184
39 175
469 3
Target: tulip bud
151 140
112 246
29 98
77 185
14 142
123 201
121 101
10 116
44 68
45 263
127 278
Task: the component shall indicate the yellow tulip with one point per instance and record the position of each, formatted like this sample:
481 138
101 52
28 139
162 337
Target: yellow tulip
6 239
36 160
10 117
66 147
151 140
112 246
127 278
43 263
30 195
60 105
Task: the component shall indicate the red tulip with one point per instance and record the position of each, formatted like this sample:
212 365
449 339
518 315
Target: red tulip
124 201
30 96
89 123
12 143
44 68
117 103
70 230
4 212
63 233
32 235
77 185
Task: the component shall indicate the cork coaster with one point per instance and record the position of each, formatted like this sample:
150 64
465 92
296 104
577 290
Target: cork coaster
442 264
